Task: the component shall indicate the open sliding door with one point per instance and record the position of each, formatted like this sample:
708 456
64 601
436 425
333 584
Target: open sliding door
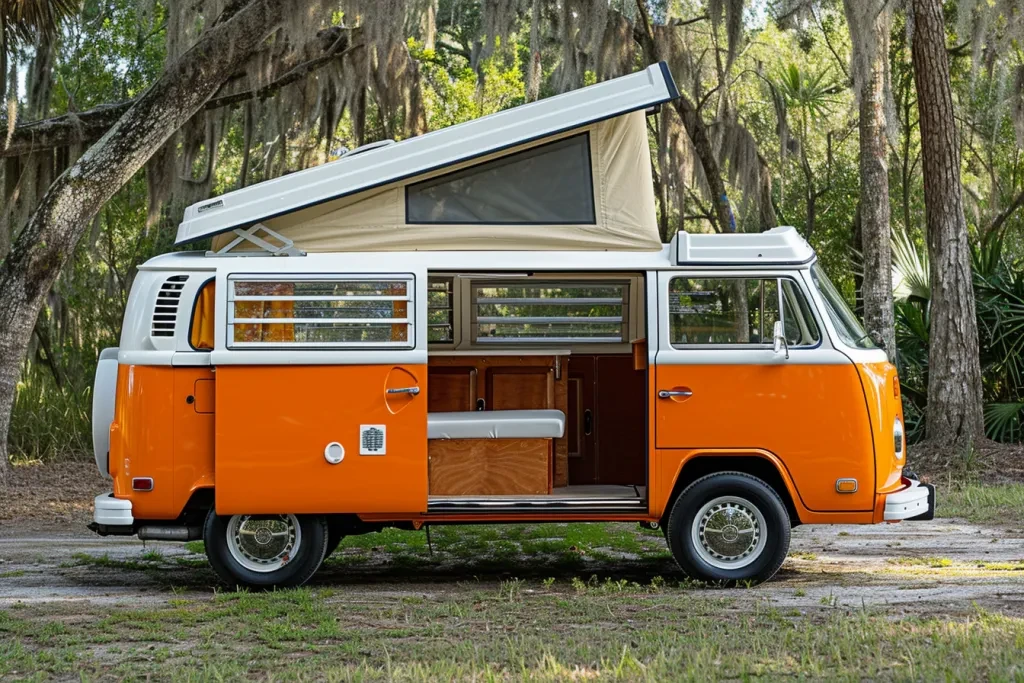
322 393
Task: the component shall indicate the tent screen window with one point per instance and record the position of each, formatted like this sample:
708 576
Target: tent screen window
549 184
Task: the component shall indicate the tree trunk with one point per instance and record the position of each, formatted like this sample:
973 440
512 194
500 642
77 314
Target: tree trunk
66 211
876 235
954 386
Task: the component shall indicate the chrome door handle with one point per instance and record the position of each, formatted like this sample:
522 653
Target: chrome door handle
665 393
406 390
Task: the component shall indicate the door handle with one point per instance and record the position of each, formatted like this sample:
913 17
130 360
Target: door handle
406 390
666 393
588 422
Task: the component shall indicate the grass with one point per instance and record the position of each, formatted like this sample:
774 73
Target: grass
512 630
980 503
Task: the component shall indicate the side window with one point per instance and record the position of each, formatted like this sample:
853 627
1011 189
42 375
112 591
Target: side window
328 313
539 311
550 184
801 328
737 311
440 310
200 335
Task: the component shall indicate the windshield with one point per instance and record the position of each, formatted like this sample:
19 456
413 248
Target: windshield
845 322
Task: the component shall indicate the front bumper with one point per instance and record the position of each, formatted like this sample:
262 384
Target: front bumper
915 501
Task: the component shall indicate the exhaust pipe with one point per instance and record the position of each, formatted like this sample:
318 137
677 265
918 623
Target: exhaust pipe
170 533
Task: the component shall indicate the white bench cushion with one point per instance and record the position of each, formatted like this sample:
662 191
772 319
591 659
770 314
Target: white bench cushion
497 424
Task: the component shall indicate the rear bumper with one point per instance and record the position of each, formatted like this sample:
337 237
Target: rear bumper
915 501
108 511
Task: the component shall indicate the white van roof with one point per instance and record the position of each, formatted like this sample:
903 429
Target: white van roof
420 155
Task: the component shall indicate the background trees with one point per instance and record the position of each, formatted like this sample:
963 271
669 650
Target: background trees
793 112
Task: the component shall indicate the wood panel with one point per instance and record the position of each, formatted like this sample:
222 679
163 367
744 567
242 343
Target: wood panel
560 474
451 389
582 452
620 421
516 388
481 467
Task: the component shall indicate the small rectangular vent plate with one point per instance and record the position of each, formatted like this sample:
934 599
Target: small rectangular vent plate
373 439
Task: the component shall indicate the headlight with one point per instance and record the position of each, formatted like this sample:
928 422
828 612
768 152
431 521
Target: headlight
899 441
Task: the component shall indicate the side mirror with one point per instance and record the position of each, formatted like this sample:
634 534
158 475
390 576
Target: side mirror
779 333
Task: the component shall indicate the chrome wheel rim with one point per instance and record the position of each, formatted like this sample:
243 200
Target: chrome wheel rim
263 543
729 532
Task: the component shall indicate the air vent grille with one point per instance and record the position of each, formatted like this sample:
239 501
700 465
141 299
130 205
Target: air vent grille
167 300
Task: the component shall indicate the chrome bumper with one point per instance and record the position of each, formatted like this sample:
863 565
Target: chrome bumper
916 501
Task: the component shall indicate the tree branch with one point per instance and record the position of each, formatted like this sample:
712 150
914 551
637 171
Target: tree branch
997 222
90 125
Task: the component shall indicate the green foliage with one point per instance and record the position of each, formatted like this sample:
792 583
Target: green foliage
999 299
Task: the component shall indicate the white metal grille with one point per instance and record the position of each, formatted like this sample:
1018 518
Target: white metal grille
165 314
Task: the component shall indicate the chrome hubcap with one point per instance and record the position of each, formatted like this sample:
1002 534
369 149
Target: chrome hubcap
263 543
729 532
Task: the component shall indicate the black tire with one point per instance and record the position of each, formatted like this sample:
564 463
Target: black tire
761 497
334 537
298 569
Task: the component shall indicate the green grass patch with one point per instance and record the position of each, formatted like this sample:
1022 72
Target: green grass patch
512 630
982 504
933 562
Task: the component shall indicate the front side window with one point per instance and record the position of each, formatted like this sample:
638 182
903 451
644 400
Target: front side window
847 326
551 312
549 184
320 313
738 311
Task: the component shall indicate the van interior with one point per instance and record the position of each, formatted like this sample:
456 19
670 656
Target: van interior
537 391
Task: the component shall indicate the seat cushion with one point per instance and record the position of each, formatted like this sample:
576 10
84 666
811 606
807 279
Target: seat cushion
497 424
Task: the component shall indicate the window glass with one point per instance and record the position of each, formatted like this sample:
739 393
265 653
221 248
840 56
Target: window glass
440 318
847 326
201 332
549 184
797 316
723 311
328 313
538 311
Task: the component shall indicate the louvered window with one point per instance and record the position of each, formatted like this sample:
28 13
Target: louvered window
166 312
321 312
540 311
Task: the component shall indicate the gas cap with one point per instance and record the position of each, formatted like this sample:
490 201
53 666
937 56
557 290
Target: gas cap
334 452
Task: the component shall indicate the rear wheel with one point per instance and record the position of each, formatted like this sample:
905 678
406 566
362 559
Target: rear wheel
265 551
729 527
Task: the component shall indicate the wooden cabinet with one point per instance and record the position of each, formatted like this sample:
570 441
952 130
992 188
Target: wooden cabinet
459 381
607 420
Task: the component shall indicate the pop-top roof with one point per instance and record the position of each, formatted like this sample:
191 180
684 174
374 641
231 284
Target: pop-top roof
420 155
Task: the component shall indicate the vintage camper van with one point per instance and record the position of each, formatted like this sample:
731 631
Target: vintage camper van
482 324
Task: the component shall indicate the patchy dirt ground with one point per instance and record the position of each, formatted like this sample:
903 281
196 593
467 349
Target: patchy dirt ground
947 566
920 601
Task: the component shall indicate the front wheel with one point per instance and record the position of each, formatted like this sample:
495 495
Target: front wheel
265 551
729 527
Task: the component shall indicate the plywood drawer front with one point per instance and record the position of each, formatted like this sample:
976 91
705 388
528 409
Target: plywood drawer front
483 467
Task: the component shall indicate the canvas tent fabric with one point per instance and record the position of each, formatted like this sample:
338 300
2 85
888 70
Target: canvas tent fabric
589 188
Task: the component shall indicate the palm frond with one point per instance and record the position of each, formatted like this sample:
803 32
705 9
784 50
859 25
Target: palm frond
1004 421
910 278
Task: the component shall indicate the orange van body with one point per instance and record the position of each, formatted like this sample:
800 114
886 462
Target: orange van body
258 430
